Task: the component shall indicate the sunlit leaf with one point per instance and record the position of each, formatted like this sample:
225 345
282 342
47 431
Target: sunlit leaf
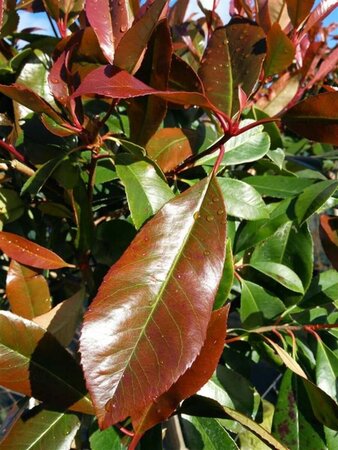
27 291
290 362
280 51
278 186
298 10
32 361
315 118
280 94
280 273
11 205
150 281
323 289
28 253
107 439
225 285
44 429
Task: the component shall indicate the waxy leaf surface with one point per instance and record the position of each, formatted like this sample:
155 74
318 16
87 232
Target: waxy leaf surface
44 429
192 380
149 320
28 253
27 291
33 363
280 51
315 118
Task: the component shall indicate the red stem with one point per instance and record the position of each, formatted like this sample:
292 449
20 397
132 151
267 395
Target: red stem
12 150
134 442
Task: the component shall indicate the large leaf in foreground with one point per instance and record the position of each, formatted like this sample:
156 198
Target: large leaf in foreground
33 363
44 429
28 253
315 118
192 380
150 317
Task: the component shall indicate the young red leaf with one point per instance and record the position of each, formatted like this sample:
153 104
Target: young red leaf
315 118
149 319
192 380
28 253
57 84
323 9
329 237
33 363
182 76
280 51
298 10
27 291
110 19
135 41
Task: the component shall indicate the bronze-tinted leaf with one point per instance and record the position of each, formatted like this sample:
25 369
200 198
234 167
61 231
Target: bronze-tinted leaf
28 253
182 76
315 118
27 291
149 319
192 380
329 237
171 146
33 363
280 51
298 10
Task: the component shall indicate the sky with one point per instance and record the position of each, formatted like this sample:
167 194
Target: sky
39 20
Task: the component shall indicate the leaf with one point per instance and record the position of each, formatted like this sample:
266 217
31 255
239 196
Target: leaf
246 147
169 147
64 9
35 183
298 10
109 20
2 9
258 306
329 237
278 186
233 58
107 439
296 252
27 291
44 429
64 318
192 380
203 433
225 285
280 273
315 118
146 190
28 253
150 281
33 363
26 97
287 359
280 51
324 8
135 40
242 200
312 198
280 95
11 206
323 290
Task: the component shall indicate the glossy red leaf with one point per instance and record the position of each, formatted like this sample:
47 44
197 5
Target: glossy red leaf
323 9
28 253
112 82
149 319
329 237
33 363
280 51
110 19
135 41
182 76
171 146
178 12
233 58
315 118
27 291
298 10
192 380
57 84
31 100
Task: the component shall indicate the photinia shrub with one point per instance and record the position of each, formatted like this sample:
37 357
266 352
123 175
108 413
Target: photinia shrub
169 226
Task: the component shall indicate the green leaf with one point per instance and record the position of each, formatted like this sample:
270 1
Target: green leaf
27 291
290 246
315 118
33 363
201 433
150 281
312 198
278 186
225 285
242 200
323 290
43 429
280 273
107 439
35 183
271 127
11 205
258 306
146 190
280 51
